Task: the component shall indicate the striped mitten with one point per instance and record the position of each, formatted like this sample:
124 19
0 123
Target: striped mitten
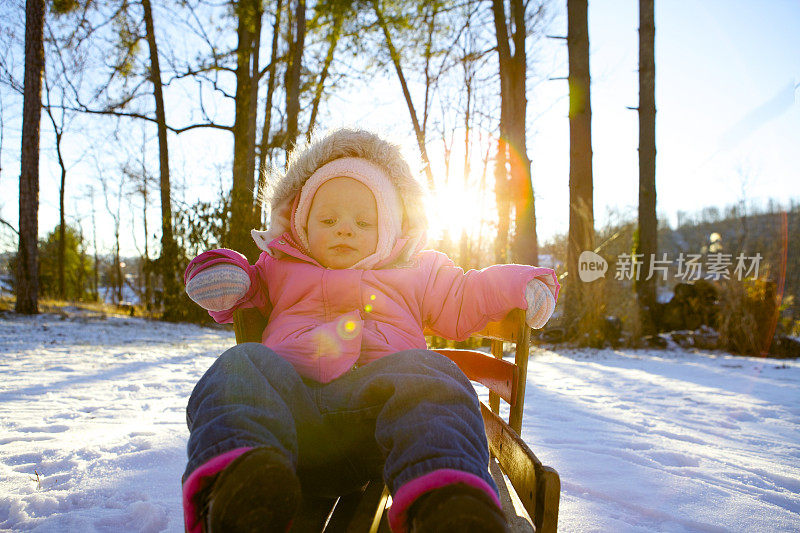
218 287
541 303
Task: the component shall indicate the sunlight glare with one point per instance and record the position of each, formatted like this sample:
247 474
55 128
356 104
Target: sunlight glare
460 203
453 209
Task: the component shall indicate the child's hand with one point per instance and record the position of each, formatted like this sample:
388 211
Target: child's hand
219 287
541 303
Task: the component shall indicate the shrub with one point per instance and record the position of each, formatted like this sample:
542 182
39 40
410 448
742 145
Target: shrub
748 312
77 266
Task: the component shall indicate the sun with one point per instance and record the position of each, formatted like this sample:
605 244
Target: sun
462 198
455 208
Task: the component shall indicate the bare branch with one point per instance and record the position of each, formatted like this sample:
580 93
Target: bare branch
12 228
128 114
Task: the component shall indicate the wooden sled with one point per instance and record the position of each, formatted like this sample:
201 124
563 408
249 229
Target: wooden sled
529 490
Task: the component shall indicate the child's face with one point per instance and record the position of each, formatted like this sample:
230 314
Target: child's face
342 223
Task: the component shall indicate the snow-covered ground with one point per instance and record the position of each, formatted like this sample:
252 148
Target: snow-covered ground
92 431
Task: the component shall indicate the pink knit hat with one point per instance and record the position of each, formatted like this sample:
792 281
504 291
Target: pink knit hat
390 208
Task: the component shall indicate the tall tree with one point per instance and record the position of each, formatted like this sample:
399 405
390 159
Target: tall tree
332 38
145 265
394 56
115 270
467 60
58 129
581 210
249 13
27 256
264 146
513 167
297 39
96 269
169 252
647 235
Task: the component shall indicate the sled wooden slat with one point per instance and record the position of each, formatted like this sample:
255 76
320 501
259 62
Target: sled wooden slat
248 325
536 487
313 515
495 374
510 329
549 496
369 516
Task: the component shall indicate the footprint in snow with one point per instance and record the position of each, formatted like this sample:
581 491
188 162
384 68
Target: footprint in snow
681 460
52 428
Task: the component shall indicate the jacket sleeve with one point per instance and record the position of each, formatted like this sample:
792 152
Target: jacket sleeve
456 304
256 296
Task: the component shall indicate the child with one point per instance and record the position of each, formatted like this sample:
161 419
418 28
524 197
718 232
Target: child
342 389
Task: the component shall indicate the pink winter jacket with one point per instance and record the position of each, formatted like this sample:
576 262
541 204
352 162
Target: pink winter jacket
326 321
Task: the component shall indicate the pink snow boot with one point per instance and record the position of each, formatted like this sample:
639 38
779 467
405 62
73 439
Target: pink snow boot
258 491
456 508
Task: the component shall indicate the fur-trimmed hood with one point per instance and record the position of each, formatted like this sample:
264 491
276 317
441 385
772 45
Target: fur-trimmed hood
284 189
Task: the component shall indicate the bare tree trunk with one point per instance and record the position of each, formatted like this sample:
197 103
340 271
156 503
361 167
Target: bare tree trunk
249 13
116 270
169 254
648 223
293 70
59 132
2 130
96 276
485 156
265 129
502 199
255 78
333 40
581 209
430 10
27 256
117 266
395 57
501 180
513 167
81 290
524 247
145 269
62 220
463 250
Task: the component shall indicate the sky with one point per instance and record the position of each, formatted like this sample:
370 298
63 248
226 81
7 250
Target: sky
728 113
727 120
727 101
727 123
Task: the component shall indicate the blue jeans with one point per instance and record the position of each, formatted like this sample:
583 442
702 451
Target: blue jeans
399 417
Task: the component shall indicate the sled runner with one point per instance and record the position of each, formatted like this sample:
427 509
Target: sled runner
529 490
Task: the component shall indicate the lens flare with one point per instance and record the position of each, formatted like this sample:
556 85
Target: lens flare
347 328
